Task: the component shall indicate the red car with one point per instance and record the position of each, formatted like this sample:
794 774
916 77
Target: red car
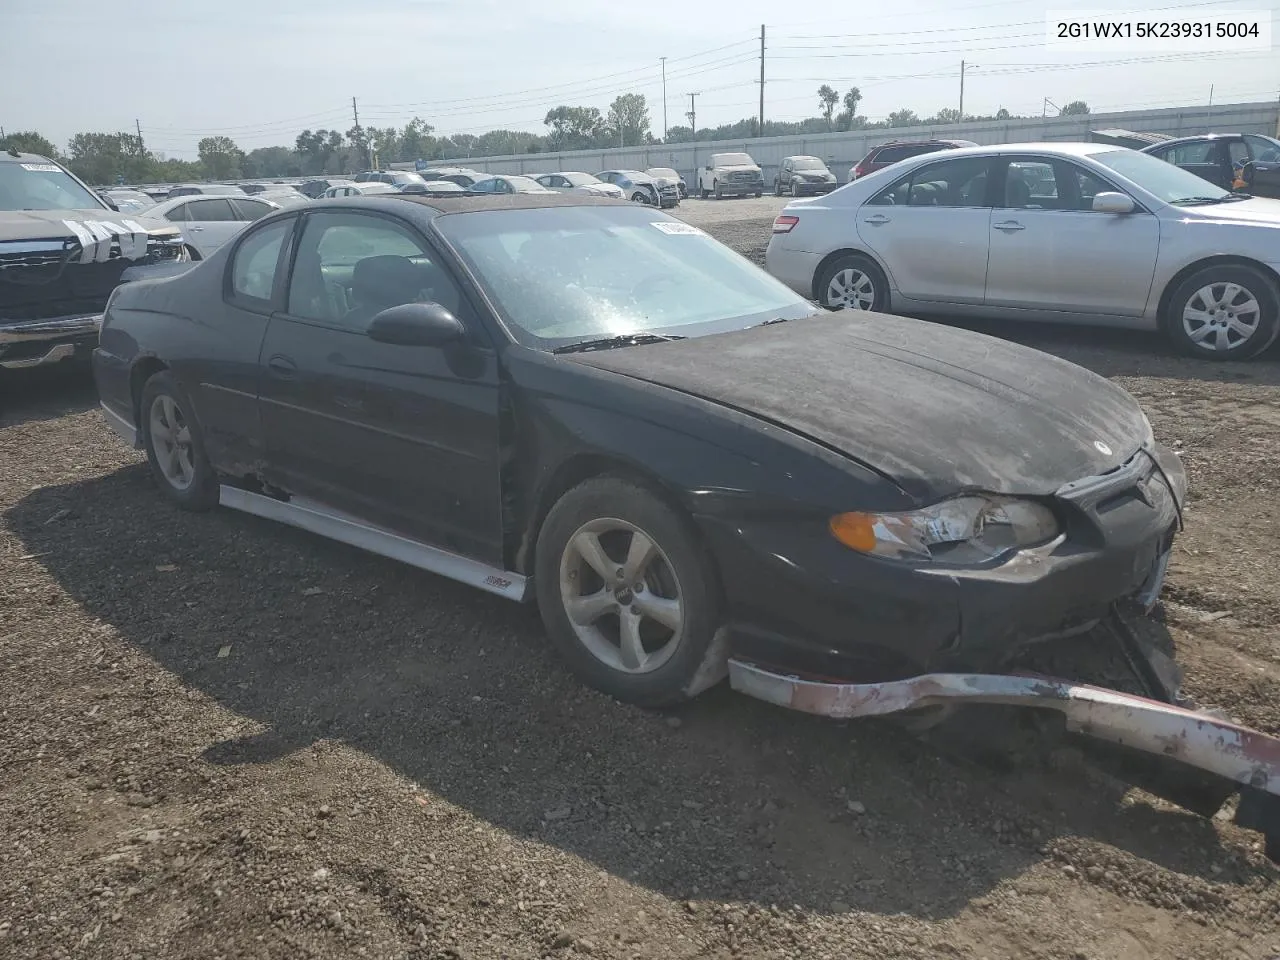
895 150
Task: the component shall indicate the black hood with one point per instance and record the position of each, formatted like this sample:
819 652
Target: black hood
938 409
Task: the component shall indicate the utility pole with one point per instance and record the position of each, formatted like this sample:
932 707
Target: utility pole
693 127
355 115
961 118
1211 94
760 127
664 98
141 146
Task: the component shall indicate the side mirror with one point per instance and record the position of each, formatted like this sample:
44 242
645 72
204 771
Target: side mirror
709 167
109 202
1109 202
416 325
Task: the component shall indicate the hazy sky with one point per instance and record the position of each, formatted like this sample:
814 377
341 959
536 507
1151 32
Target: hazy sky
260 72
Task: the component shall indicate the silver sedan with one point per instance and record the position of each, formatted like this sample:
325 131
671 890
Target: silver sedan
1066 232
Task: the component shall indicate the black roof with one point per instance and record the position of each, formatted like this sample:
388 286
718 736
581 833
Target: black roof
468 204
1202 136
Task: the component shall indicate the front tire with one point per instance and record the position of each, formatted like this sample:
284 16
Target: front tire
852 282
718 190
1224 312
627 593
175 446
777 188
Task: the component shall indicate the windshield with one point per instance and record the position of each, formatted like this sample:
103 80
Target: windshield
665 172
734 160
1171 184
810 164
579 179
42 186
565 274
524 184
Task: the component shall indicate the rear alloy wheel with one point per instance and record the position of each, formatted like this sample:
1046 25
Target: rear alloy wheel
852 283
626 593
1226 312
175 446
639 197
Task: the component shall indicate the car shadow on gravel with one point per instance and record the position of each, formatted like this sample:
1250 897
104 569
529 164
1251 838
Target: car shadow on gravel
30 396
455 691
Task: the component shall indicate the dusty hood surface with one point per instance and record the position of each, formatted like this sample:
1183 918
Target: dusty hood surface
938 409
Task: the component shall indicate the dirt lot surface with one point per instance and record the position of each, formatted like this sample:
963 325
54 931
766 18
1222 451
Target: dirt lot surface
223 738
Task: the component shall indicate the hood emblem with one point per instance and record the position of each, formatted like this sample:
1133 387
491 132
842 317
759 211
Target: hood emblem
1102 448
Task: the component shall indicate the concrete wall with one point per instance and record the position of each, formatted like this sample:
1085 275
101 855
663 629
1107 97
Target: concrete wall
842 150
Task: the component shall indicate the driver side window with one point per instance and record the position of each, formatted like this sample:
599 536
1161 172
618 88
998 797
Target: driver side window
351 266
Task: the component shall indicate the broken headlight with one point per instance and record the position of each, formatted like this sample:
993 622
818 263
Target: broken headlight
967 530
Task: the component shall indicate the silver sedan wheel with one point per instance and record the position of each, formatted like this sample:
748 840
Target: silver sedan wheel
171 440
1221 316
621 596
851 289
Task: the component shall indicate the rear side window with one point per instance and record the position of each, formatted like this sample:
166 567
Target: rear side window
253 271
903 152
210 210
250 209
959 182
1202 152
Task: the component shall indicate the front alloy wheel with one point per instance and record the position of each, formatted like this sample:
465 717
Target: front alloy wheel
1224 312
628 593
622 596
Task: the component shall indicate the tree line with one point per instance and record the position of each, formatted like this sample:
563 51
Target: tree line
104 158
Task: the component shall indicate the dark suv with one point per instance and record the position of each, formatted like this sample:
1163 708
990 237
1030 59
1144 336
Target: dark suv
895 150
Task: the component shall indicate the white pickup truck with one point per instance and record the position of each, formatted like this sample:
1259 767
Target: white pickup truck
730 174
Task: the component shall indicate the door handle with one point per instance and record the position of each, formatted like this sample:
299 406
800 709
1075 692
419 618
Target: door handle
195 229
1009 226
878 219
282 366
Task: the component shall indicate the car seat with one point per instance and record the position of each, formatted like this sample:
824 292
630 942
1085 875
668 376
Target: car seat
381 282
1017 194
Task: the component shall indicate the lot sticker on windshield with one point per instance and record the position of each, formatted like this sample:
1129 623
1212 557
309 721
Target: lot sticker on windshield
41 167
676 228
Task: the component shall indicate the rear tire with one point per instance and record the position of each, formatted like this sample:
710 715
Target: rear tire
852 282
642 590
1224 312
174 444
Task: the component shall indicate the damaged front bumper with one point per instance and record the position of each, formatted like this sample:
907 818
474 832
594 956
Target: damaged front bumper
35 343
1245 760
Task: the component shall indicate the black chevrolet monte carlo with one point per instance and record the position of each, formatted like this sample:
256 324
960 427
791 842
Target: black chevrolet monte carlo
601 407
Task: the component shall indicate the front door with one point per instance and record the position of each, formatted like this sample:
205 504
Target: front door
931 230
1264 153
1207 159
1051 251
402 437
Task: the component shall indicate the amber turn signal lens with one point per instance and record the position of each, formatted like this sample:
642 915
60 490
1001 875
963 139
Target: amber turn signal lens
855 530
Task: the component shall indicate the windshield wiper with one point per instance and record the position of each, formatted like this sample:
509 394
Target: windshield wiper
769 323
1228 198
608 343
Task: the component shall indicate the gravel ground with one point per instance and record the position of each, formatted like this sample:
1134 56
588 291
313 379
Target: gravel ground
223 738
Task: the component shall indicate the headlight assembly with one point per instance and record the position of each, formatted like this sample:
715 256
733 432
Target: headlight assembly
965 530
